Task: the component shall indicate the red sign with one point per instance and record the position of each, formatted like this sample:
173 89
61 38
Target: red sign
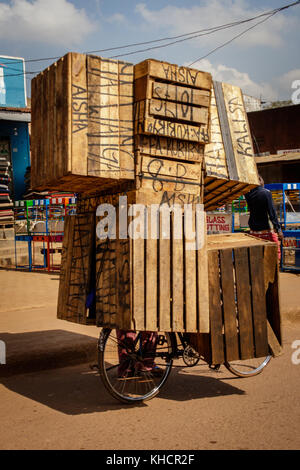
219 223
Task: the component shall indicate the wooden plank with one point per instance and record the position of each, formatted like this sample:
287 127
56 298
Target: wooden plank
258 301
202 274
226 195
243 287
41 165
101 254
164 147
145 124
270 264
177 278
229 308
66 161
143 88
225 130
46 125
173 73
66 257
138 247
74 281
178 111
216 322
94 121
180 94
176 130
35 141
240 134
112 284
215 158
164 276
52 120
106 285
162 127
178 189
190 271
233 240
86 230
60 167
79 115
151 270
165 197
159 175
273 342
124 285
126 124
271 276
109 110
156 167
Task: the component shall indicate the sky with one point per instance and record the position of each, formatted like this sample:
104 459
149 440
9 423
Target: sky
264 61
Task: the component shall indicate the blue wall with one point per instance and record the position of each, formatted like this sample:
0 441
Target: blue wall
12 83
18 134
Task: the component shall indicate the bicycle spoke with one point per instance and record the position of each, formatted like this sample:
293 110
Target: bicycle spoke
136 381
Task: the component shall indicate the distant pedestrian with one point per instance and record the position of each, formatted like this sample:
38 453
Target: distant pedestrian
261 208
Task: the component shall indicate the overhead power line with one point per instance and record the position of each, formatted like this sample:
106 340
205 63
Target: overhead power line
180 38
231 40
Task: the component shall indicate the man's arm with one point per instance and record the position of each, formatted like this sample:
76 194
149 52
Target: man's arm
273 215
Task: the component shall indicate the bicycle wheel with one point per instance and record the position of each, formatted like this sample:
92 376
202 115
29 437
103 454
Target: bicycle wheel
248 367
128 377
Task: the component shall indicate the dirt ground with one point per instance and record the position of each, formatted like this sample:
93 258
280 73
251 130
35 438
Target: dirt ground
68 408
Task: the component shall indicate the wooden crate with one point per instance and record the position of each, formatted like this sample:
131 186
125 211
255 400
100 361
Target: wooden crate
229 156
159 175
152 284
171 101
243 300
139 283
169 148
77 277
172 73
171 122
82 124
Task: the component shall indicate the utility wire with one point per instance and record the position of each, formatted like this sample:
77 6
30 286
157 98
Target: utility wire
187 36
231 40
213 29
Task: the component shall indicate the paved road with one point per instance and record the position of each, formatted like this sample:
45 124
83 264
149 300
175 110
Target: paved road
198 409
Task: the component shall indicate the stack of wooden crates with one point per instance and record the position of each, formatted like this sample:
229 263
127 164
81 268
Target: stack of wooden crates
158 134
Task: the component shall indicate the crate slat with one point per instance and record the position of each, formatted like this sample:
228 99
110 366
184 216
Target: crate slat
244 302
174 149
215 310
258 301
178 278
151 272
229 311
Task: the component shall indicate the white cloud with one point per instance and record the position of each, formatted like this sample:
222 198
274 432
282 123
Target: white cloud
231 75
209 13
52 22
279 88
117 18
284 82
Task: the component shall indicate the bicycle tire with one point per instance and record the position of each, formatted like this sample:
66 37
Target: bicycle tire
248 367
141 386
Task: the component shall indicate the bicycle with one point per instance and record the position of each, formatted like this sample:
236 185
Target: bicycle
139 384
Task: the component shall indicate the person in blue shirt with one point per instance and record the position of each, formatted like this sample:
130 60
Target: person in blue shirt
262 212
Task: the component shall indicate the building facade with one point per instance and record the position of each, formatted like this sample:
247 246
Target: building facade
14 132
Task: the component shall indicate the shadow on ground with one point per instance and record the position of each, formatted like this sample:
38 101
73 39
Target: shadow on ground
79 390
48 349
